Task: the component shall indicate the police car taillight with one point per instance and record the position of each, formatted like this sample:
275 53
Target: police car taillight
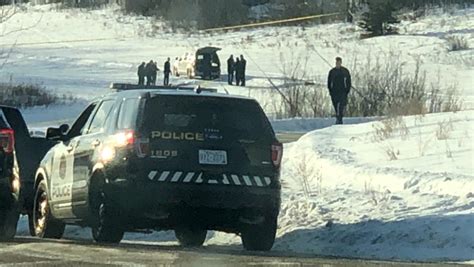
7 140
277 154
125 138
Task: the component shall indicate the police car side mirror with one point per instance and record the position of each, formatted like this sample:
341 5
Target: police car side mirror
57 133
64 128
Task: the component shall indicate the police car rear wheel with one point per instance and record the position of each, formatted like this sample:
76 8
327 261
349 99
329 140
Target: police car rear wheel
190 237
45 226
260 237
106 229
8 223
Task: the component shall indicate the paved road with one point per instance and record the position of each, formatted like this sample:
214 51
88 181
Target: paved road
35 252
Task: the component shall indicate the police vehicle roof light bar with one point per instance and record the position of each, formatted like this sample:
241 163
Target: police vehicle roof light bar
127 86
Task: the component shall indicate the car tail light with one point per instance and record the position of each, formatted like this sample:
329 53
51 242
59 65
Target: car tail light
7 140
125 138
277 154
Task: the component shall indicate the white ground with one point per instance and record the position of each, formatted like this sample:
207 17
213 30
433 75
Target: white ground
356 202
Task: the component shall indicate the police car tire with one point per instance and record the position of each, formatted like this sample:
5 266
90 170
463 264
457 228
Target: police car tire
106 229
259 237
190 237
52 228
8 223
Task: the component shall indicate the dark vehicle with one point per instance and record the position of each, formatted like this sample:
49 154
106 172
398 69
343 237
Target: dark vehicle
164 159
207 65
9 180
20 155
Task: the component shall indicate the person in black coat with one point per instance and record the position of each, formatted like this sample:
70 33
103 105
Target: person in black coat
339 85
154 72
149 73
243 68
167 71
237 69
230 69
141 74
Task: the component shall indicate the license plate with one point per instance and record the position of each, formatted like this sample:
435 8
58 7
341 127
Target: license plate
213 157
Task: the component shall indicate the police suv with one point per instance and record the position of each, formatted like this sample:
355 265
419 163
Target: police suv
163 158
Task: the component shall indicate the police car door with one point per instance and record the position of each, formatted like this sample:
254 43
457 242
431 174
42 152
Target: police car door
61 177
89 142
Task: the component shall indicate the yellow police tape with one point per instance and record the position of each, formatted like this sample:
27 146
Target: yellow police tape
271 22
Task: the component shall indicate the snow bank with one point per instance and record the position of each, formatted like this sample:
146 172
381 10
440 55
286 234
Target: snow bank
344 196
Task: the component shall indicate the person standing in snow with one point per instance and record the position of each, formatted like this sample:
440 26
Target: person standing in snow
154 72
237 69
141 74
149 73
167 71
230 69
339 85
243 67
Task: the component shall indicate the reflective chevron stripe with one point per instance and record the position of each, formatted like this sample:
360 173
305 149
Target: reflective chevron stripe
198 178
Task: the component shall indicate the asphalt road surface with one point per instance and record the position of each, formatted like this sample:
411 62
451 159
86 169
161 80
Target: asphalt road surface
36 252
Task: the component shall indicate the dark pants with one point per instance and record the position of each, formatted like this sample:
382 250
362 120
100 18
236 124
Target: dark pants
339 101
153 79
149 80
230 77
166 79
242 79
141 80
237 78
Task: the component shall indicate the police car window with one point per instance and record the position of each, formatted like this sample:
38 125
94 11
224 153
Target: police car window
232 118
128 113
100 117
78 127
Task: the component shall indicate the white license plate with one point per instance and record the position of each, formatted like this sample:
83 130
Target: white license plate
213 157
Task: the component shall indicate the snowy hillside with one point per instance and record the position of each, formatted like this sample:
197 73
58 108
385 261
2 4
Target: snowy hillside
70 51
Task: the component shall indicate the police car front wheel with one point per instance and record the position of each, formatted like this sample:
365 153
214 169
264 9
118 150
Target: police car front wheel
45 225
190 237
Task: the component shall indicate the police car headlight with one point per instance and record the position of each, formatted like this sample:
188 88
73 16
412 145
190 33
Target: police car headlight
107 154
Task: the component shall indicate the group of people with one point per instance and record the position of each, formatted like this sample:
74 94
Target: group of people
339 79
236 68
150 70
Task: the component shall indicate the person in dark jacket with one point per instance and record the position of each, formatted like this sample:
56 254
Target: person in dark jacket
154 72
243 67
230 69
339 85
141 74
167 71
237 68
149 73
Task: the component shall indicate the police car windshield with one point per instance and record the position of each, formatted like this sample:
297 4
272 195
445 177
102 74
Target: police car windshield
232 118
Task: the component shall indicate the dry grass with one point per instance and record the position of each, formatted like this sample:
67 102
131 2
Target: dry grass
29 95
457 43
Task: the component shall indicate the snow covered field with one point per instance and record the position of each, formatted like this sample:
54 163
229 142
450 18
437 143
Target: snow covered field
398 189
44 54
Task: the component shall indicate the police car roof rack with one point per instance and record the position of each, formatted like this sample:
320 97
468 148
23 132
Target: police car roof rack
127 86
